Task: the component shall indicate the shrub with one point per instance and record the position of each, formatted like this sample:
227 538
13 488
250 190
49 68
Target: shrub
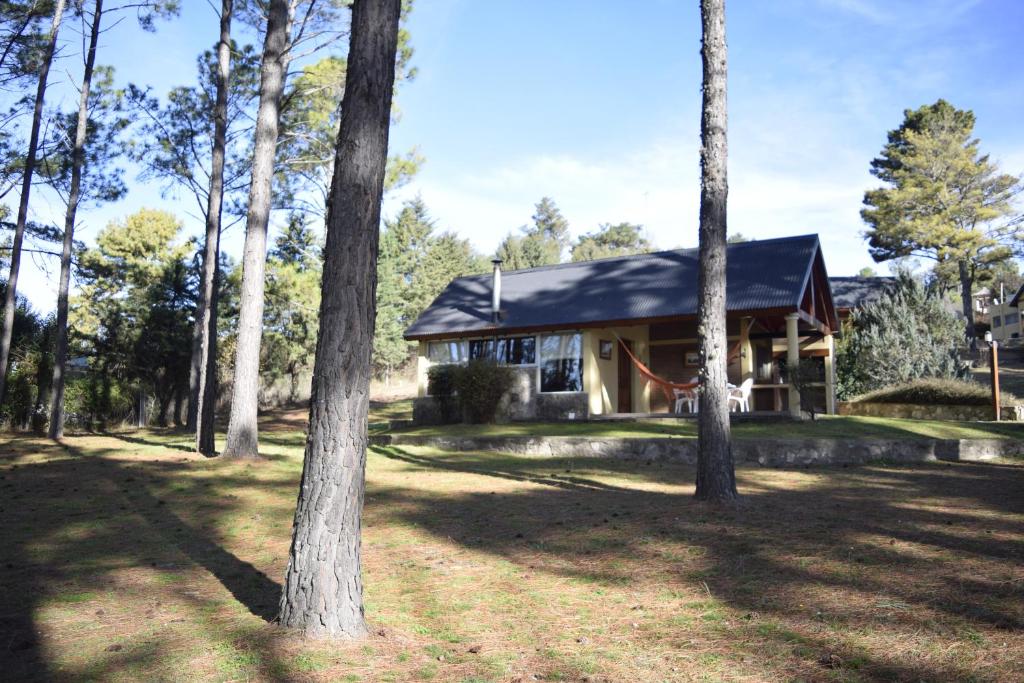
906 335
480 385
936 392
473 391
441 386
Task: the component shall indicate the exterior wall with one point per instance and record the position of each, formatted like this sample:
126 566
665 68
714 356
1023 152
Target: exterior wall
670 342
523 402
601 377
1000 313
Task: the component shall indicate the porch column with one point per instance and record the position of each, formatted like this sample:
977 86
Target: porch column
422 365
830 375
746 350
793 360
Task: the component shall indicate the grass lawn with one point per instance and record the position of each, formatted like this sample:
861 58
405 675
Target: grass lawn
826 426
127 558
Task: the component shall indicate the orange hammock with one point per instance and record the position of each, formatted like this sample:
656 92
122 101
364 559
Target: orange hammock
665 385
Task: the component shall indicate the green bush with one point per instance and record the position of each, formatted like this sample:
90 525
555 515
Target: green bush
946 392
441 387
472 391
906 335
480 385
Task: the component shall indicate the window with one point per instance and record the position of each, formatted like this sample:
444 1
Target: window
561 366
443 352
507 350
997 321
1011 318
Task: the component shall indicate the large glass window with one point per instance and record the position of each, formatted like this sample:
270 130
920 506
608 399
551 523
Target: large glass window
507 351
561 366
1011 318
442 352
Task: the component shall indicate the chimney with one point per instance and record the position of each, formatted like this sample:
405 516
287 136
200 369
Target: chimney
496 292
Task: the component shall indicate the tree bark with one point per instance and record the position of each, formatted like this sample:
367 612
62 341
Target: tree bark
10 300
323 592
56 429
203 387
716 478
967 303
242 429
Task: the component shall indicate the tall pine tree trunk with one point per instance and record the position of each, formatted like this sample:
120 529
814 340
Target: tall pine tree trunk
56 429
26 188
967 303
323 592
203 385
716 478
242 430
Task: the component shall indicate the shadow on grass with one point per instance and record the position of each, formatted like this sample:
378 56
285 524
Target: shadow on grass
886 547
69 520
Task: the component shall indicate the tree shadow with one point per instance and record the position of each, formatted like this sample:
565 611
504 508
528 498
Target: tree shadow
881 548
73 518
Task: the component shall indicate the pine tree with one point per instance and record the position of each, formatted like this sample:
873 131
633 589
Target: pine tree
944 200
541 244
620 239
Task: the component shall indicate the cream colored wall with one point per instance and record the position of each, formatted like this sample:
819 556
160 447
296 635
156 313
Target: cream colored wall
601 377
1004 331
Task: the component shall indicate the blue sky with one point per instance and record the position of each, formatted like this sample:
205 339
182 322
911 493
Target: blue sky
597 104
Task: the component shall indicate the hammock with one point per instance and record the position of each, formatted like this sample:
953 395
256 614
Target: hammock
667 387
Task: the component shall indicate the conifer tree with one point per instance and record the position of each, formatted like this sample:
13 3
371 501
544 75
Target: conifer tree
944 200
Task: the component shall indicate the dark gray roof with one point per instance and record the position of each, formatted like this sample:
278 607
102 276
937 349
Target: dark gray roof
1015 301
852 292
762 274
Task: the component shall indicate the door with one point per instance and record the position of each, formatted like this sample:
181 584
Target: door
625 379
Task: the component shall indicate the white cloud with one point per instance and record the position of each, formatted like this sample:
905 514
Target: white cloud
660 188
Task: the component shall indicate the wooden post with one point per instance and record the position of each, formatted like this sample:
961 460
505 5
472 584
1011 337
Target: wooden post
994 364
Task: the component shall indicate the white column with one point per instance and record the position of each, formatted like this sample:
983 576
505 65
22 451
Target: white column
793 359
422 365
830 375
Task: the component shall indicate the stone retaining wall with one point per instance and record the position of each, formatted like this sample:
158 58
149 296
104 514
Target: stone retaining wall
915 411
766 452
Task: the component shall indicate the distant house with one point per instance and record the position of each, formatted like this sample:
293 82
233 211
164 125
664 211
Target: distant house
849 293
566 328
1004 317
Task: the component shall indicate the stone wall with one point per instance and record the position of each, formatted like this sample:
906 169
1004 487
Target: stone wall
766 452
928 412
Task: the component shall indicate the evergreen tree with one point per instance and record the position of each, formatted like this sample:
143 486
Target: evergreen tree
413 267
943 199
541 244
290 315
621 239
905 335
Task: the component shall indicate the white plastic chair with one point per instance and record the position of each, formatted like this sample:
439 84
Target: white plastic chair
741 395
687 397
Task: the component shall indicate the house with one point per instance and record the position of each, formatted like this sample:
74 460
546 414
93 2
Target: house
1004 317
849 293
563 329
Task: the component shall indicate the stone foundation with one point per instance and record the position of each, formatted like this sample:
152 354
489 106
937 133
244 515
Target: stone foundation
766 452
929 412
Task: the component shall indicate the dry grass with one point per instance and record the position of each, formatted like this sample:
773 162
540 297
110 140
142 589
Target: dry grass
126 558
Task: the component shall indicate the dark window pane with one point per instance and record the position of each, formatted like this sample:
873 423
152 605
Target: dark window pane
561 375
517 351
481 348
